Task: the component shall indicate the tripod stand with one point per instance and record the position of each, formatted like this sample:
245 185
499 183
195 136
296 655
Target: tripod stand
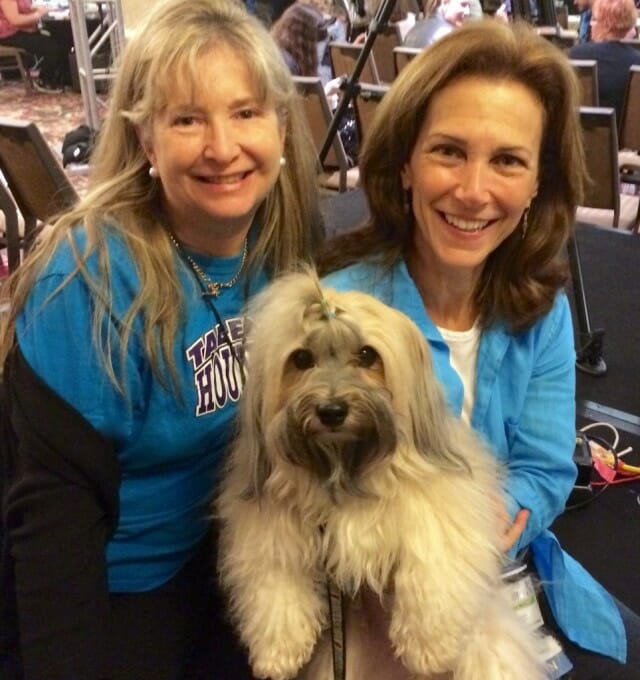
351 86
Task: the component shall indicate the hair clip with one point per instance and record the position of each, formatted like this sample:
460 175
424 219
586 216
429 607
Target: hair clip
326 309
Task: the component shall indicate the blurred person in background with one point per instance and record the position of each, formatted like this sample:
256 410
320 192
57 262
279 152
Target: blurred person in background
584 24
20 27
441 17
611 22
297 33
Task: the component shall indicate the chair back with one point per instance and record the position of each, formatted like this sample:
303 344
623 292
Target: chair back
629 124
632 42
33 175
365 103
587 72
11 227
319 116
344 55
600 137
403 55
386 40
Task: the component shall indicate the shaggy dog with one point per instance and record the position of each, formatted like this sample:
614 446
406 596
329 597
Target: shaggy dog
348 465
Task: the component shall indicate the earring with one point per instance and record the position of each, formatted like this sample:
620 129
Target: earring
406 203
525 221
153 172
283 161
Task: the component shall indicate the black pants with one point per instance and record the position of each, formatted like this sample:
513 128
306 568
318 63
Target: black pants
54 58
178 631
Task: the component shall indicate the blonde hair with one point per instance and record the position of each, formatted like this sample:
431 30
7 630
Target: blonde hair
123 196
521 277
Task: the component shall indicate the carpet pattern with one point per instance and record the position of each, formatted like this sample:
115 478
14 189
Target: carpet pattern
54 114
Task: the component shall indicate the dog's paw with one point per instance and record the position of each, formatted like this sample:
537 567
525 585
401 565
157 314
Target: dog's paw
281 661
425 655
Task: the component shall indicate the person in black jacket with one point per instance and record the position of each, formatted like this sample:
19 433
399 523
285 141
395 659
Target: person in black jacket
611 22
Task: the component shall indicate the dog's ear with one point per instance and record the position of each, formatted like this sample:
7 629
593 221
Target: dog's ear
250 447
435 429
259 467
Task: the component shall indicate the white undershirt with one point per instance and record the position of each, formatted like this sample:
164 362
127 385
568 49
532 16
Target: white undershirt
463 354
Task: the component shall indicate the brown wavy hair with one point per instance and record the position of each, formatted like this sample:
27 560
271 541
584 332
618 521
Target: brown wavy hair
298 31
521 277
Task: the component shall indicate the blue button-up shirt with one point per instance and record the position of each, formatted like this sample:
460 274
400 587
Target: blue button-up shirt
524 406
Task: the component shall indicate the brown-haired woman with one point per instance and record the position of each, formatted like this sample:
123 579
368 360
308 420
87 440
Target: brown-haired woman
472 171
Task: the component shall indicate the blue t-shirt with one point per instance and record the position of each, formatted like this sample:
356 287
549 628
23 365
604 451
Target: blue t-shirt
169 445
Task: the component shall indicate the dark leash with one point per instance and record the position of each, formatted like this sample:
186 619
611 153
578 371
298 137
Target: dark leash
338 638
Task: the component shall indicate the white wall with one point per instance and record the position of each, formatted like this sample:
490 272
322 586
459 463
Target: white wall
134 11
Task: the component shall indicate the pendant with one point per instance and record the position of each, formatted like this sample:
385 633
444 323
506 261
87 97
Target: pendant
214 288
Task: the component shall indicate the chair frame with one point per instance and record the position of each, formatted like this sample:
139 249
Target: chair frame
598 125
600 134
12 238
365 103
403 55
629 130
587 72
319 117
629 123
35 179
344 55
387 39
17 53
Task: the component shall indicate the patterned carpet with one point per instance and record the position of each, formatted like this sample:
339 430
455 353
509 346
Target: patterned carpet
54 114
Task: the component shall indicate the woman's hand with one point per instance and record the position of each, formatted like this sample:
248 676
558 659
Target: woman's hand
511 530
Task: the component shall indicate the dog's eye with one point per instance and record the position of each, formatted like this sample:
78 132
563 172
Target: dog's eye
302 359
367 356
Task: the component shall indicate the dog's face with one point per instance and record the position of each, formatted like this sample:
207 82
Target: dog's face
335 382
335 415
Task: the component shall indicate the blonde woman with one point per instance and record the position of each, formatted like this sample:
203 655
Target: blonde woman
126 330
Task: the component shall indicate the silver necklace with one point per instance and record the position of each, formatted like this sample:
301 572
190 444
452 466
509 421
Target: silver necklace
211 287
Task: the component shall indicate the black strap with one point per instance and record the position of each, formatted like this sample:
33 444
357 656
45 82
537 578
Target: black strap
338 640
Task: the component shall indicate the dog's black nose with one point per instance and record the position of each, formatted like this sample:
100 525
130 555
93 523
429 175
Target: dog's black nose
333 412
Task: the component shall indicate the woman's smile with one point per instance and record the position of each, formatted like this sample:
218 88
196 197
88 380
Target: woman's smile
466 225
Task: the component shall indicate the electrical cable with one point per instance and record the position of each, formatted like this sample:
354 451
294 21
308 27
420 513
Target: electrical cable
604 453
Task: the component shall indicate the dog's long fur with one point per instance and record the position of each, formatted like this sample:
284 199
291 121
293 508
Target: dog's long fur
349 464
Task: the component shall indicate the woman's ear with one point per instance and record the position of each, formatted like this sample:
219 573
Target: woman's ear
145 143
405 177
535 189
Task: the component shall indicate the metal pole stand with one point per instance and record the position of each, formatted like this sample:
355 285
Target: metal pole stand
351 85
590 342
87 47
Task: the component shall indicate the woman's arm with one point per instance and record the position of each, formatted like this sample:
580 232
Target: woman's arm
541 471
61 507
